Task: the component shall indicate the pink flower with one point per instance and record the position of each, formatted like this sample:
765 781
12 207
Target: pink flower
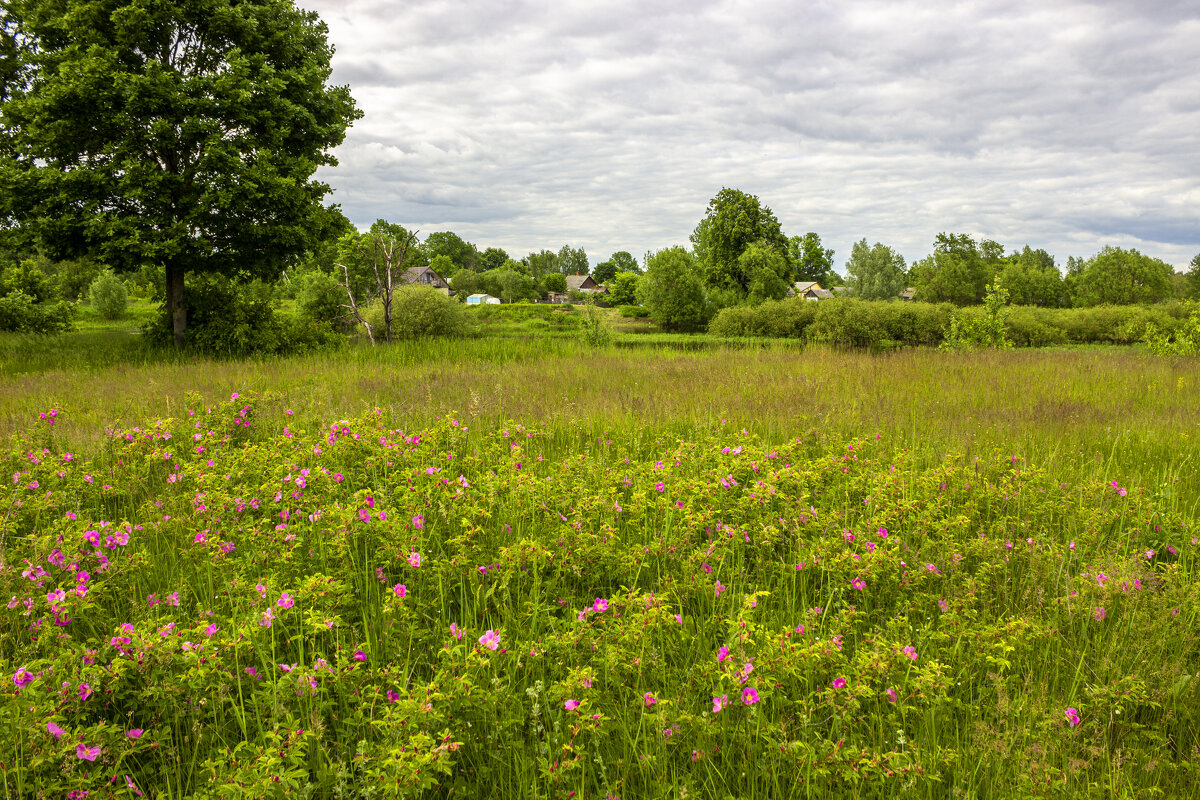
134 733
85 691
359 655
419 522
722 654
571 705
285 601
414 559
719 703
399 590
891 693
859 584
1149 554
749 696
54 730
649 699
1072 715
392 696
1099 614
600 605
87 753
659 486
911 652
456 631
839 683
490 639
718 589
23 677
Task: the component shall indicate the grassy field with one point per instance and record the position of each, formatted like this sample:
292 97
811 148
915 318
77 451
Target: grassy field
520 567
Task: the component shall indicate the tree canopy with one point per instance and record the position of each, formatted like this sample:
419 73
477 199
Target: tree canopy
811 261
1115 276
732 222
178 133
672 290
876 273
620 261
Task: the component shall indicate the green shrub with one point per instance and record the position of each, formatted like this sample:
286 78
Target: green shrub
422 311
320 301
226 318
107 295
633 312
1032 326
846 322
19 313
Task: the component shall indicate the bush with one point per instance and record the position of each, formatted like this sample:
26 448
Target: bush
422 311
634 312
320 302
20 314
107 296
846 322
227 318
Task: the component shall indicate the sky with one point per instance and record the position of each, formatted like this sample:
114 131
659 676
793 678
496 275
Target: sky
610 125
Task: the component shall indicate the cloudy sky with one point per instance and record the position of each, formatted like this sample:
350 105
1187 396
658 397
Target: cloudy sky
610 125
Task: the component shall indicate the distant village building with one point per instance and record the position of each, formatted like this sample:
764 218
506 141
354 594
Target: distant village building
424 276
482 299
576 283
909 294
809 290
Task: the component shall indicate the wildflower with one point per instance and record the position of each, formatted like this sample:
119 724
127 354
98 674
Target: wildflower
1149 554
859 584
571 705
85 691
1072 715
87 753
911 652
265 620
54 730
649 699
414 559
839 683
337 476
399 590
600 605
719 703
749 696
891 693
883 533
418 522
1099 614
718 589
679 618
23 677
456 631
392 696
722 654
134 733
285 601
1101 578
359 655
129 783
490 639
659 486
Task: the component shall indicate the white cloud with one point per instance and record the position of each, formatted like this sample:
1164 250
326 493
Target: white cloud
529 125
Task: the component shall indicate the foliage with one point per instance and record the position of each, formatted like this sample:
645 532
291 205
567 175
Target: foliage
1031 279
733 221
19 313
623 288
458 253
633 312
876 273
846 322
988 329
107 296
955 273
373 266
554 282
321 302
572 261
424 312
767 272
542 263
492 258
618 262
594 328
1115 276
1185 341
811 261
229 319
183 134
673 291
438 610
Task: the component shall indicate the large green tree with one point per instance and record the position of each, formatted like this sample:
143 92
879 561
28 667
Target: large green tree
732 222
1116 276
876 273
1032 279
183 133
620 261
462 254
673 291
811 261
957 272
573 261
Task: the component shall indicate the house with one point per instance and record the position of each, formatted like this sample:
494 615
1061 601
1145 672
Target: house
424 276
809 290
909 294
482 299
584 283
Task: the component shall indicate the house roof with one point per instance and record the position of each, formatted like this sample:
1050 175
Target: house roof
481 296
804 286
580 282
824 294
412 274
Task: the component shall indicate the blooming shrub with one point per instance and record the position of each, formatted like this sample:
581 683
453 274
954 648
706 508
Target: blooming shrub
232 603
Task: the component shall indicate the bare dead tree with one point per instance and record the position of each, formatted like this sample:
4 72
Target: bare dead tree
386 255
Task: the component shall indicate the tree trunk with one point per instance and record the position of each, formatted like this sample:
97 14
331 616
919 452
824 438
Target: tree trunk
175 307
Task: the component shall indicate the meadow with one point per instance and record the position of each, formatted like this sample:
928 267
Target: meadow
523 567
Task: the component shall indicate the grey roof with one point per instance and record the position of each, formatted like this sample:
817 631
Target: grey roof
581 282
